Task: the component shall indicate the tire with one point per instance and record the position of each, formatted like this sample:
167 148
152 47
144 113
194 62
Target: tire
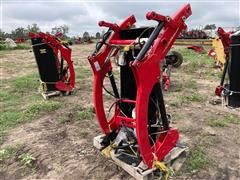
179 59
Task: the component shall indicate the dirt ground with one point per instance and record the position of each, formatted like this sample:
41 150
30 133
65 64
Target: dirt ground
63 149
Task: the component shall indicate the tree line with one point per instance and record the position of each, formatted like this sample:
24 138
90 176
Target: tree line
21 32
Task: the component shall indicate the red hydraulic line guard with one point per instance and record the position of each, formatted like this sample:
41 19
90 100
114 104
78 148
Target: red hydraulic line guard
65 54
147 74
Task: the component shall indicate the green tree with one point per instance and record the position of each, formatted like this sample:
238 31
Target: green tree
210 26
2 35
86 37
60 29
98 35
33 28
20 32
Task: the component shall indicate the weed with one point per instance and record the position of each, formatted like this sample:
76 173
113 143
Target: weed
83 133
25 83
9 119
41 106
6 152
194 97
69 117
27 159
198 159
5 47
86 113
12 114
194 61
23 46
174 103
185 129
190 84
176 86
6 96
224 121
83 72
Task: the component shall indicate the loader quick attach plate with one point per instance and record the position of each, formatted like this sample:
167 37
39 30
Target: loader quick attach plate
46 62
175 158
139 127
54 63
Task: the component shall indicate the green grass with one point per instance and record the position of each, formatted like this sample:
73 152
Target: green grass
84 78
198 159
224 121
83 133
23 46
25 83
27 159
41 106
10 118
190 84
77 113
10 151
195 61
6 152
7 96
193 97
5 47
83 72
2 53
21 102
86 113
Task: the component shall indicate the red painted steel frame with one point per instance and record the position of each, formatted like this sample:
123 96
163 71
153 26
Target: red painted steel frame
197 49
226 41
225 38
65 54
147 74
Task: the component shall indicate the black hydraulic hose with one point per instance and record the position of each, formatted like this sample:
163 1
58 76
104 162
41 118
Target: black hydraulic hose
66 46
124 146
101 43
148 44
113 83
224 72
162 107
61 69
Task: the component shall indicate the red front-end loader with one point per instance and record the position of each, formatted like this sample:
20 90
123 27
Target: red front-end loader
139 130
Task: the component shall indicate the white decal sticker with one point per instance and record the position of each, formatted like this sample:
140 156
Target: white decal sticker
97 66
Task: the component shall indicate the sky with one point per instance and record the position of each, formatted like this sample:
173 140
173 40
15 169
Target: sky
81 16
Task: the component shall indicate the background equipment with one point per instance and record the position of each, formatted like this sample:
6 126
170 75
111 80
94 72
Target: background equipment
55 66
230 91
